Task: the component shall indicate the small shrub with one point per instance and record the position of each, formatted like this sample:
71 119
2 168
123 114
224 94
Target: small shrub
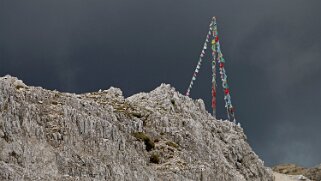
154 158
171 144
140 135
149 144
143 137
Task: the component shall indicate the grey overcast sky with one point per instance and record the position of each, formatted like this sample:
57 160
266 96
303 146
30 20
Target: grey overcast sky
272 49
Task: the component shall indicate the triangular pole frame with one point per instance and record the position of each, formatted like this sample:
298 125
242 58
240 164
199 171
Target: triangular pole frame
217 59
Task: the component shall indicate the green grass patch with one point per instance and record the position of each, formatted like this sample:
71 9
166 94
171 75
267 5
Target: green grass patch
154 158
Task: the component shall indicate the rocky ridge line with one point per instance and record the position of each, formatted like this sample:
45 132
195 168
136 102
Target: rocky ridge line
161 135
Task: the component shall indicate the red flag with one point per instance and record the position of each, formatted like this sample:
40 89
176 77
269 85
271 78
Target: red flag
213 103
226 91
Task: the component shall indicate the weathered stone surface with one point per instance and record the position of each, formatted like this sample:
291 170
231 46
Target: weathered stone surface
285 177
292 169
161 135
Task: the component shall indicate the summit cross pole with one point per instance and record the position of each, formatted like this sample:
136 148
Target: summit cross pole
217 59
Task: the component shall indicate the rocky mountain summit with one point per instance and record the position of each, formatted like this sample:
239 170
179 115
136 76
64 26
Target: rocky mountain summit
161 135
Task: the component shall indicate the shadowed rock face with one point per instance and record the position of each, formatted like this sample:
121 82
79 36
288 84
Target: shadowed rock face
161 135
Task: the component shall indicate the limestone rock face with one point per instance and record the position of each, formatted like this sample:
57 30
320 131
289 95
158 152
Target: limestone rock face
313 173
161 135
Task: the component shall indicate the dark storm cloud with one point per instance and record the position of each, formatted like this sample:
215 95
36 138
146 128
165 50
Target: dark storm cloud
288 52
272 50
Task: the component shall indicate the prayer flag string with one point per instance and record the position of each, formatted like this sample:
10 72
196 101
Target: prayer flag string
199 63
217 58
212 29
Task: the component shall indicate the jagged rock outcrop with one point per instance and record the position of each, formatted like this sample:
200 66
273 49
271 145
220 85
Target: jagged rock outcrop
161 135
286 177
292 169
